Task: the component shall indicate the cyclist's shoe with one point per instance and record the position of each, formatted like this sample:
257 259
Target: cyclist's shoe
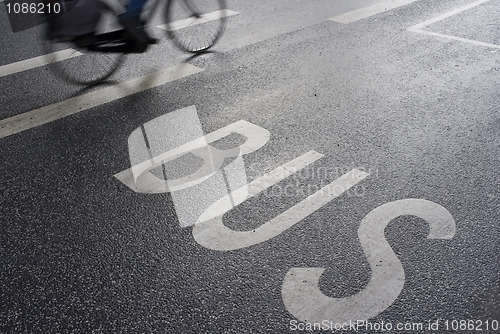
136 34
135 30
151 39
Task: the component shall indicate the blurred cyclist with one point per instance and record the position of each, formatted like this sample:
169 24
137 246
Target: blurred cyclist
80 19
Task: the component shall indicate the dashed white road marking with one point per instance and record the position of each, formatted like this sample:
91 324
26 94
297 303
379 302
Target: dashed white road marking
365 12
31 63
194 21
418 28
90 100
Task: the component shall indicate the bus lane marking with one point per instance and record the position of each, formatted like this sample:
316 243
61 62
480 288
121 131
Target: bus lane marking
216 190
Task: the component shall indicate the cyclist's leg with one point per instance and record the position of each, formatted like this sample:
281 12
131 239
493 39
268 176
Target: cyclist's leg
133 9
131 21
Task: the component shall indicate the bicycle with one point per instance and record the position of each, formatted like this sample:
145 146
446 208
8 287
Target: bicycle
193 25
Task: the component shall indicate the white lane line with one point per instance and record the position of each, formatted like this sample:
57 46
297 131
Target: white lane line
194 21
446 15
90 100
456 38
31 63
365 12
418 28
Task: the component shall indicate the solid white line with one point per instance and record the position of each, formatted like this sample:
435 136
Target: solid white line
90 100
363 13
446 15
465 40
31 63
194 21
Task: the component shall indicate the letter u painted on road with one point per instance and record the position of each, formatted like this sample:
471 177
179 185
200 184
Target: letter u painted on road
210 232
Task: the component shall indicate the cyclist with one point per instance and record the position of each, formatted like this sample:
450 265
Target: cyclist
80 20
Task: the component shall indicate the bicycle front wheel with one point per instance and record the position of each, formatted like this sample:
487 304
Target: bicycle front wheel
195 25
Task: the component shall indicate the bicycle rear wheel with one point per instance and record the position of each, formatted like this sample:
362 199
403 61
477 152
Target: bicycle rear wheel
195 25
86 65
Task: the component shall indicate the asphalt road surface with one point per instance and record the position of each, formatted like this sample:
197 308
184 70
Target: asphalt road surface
330 166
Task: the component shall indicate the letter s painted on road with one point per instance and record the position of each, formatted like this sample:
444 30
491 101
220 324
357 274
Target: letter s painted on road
303 298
